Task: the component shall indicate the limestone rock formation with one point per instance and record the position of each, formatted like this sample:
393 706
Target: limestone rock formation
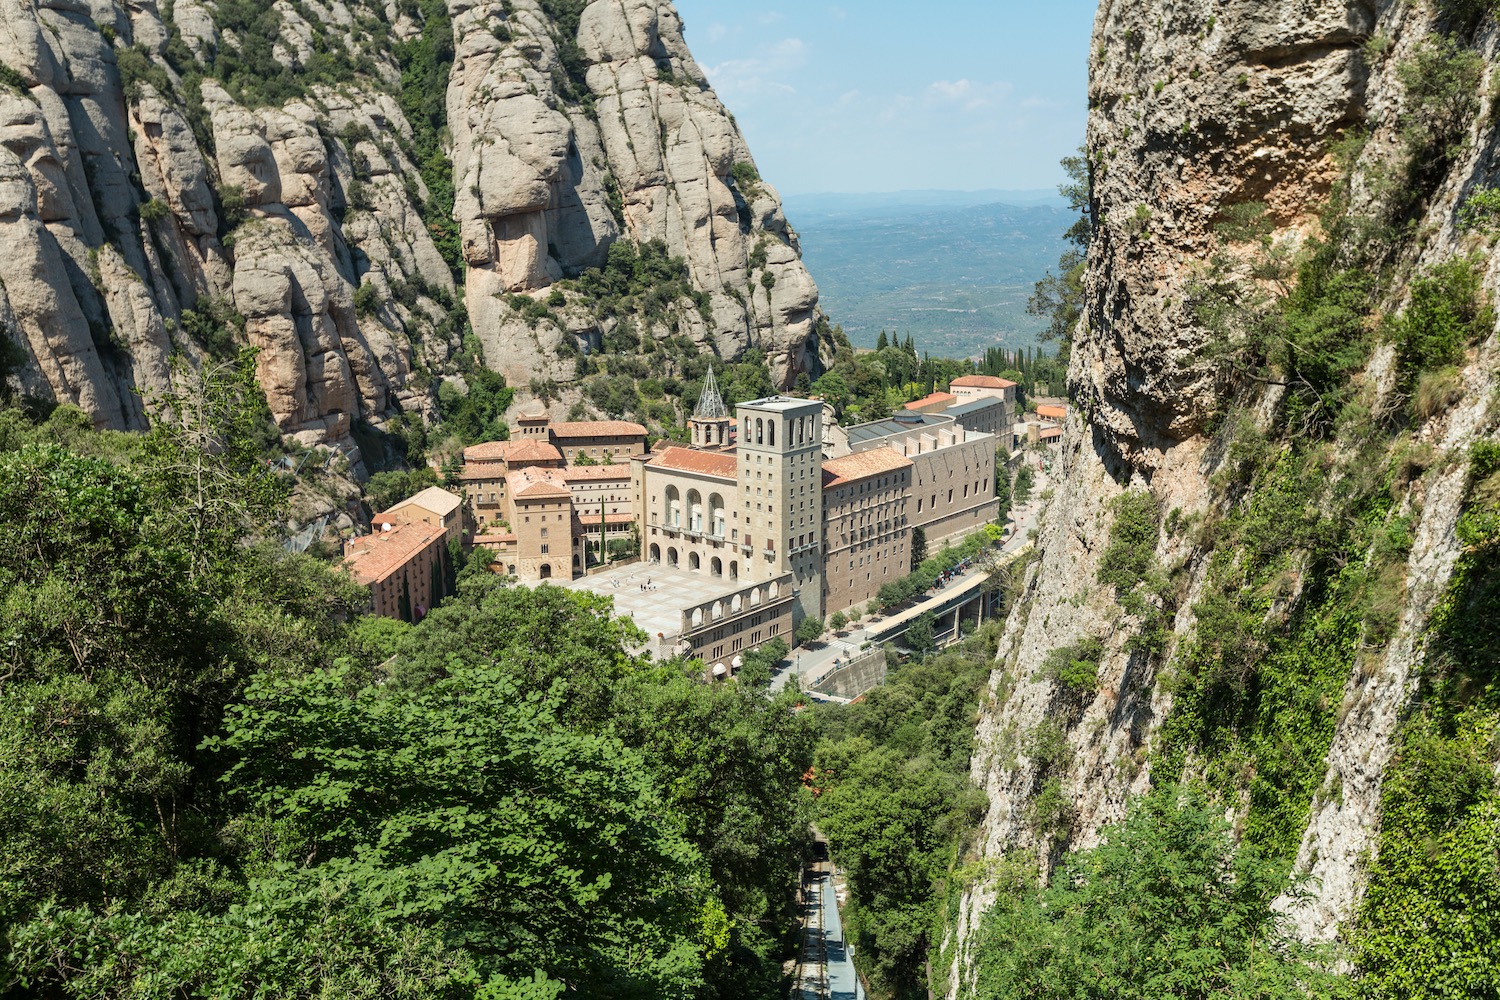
1196 109
562 147
157 169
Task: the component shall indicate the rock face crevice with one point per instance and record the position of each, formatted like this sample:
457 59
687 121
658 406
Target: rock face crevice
134 200
1196 109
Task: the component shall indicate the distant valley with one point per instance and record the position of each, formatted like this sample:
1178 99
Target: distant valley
953 269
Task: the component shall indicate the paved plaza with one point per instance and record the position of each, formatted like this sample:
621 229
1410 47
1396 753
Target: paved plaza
656 609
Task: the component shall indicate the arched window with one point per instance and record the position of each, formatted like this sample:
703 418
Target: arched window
755 598
695 510
734 569
546 571
697 617
655 553
672 558
775 591
716 514
718 610
736 603
760 431
716 567
694 563
802 430
771 433
674 507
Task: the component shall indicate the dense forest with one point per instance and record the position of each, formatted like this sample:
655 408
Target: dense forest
221 780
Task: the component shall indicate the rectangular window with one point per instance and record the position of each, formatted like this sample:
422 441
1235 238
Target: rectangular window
545 549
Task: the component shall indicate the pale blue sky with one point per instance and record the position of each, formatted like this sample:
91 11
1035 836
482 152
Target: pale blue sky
877 95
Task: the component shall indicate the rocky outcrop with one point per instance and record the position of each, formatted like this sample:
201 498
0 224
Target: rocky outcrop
563 145
1194 110
142 192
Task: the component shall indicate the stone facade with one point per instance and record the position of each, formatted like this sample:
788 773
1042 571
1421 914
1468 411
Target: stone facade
405 567
866 526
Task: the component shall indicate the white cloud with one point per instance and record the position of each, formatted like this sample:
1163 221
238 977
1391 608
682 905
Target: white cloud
769 71
716 32
968 94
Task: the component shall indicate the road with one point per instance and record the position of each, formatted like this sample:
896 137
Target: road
827 969
812 663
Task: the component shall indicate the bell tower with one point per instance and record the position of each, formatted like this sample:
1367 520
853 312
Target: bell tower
710 419
779 460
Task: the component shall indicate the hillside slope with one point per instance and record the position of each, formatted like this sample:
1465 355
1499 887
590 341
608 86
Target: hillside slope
1275 500
334 183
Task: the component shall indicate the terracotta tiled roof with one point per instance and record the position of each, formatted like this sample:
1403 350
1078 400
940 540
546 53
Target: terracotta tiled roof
861 465
938 399
707 463
1051 412
527 450
578 473
536 484
495 538
597 428
592 520
981 382
372 558
434 499
1050 434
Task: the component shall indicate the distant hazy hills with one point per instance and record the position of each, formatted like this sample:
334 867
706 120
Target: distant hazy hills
954 269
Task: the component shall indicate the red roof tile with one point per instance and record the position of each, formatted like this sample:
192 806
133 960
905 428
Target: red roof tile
372 558
597 428
708 463
862 465
512 452
936 399
576 473
1051 412
536 484
981 382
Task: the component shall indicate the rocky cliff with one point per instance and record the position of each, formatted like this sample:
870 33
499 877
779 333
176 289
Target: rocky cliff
1247 161
331 183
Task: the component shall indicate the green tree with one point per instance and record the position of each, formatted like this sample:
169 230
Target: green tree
1165 906
810 630
918 546
919 637
1059 296
1024 481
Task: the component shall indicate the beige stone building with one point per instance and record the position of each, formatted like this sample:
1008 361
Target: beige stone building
753 527
487 465
434 506
866 530
953 470
602 492
604 441
541 538
404 565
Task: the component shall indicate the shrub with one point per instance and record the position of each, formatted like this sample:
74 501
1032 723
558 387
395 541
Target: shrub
1442 89
1074 668
1445 313
366 300
1437 391
154 210
1131 552
12 79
